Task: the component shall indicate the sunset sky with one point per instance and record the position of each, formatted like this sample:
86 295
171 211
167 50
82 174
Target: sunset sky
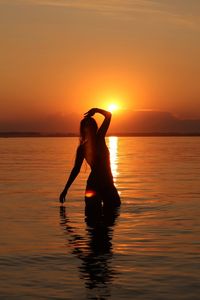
61 57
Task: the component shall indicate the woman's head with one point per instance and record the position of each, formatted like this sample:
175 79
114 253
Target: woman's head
88 128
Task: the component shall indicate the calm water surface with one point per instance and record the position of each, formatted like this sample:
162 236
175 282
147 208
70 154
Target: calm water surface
152 249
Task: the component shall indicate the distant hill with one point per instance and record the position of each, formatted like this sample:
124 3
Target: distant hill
157 122
131 123
125 134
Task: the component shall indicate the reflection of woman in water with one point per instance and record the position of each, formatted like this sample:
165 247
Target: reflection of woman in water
95 252
100 186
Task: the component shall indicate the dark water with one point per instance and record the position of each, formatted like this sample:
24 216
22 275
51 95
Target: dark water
149 250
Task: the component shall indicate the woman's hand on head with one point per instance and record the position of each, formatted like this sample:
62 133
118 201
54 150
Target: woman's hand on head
90 112
62 197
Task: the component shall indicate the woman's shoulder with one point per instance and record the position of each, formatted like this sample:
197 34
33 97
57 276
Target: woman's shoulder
80 147
80 151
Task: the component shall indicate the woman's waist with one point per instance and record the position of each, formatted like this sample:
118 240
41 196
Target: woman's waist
100 176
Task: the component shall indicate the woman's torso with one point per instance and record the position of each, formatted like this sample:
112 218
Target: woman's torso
97 156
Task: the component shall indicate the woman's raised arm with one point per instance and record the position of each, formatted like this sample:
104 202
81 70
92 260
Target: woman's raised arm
106 122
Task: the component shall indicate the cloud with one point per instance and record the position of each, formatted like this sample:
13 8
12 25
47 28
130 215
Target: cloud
126 9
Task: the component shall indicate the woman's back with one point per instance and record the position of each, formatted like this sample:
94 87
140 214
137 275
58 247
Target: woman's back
97 156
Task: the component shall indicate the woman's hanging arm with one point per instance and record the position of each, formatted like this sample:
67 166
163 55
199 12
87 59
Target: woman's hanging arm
74 172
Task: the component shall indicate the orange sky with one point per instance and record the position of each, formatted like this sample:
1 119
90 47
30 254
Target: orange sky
65 56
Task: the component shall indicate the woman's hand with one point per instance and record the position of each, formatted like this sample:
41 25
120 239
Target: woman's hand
93 111
62 196
90 112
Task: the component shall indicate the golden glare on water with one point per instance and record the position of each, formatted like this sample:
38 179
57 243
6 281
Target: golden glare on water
113 147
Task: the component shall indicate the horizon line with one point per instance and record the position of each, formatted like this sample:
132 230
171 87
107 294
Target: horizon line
7 134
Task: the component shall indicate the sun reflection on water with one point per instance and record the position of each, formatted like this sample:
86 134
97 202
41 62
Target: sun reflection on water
113 147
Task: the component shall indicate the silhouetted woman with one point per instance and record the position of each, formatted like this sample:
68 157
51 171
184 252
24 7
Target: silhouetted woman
100 187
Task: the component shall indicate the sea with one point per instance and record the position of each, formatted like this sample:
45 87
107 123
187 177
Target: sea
151 250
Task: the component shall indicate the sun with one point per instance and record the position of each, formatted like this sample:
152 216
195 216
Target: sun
113 107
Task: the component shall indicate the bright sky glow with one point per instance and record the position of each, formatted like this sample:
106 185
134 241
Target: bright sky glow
59 58
113 107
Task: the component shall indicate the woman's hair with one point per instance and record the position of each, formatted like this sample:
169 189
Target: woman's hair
88 123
